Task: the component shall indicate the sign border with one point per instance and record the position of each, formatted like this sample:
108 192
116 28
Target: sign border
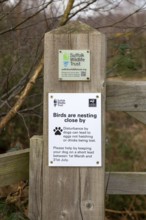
99 162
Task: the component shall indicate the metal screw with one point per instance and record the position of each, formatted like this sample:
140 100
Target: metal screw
97 96
51 162
97 162
88 78
51 97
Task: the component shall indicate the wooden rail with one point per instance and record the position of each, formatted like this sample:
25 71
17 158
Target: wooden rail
14 166
127 96
125 183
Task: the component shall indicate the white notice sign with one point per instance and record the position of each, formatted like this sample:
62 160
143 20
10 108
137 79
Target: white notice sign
74 129
74 65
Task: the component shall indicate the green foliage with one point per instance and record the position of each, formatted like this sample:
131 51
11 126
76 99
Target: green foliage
10 212
16 216
118 202
126 64
127 55
120 155
126 206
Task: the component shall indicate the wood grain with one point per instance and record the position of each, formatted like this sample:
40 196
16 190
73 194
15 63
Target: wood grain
35 178
122 183
129 96
140 116
73 193
14 166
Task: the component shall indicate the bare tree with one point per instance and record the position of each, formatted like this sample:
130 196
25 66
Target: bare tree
22 28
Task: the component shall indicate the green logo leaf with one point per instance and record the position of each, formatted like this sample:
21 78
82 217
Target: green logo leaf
66 57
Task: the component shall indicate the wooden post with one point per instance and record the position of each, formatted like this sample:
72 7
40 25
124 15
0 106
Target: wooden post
73 193
35 178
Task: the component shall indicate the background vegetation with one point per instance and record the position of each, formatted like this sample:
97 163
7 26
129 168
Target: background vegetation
22 28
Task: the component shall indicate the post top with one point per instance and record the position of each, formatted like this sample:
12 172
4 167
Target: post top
74 27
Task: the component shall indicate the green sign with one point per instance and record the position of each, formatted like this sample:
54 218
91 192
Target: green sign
74 65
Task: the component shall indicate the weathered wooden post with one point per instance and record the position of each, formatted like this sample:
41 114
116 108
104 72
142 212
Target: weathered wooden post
72 183
74 191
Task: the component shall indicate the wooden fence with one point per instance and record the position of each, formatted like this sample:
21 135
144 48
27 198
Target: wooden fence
14 167
127 96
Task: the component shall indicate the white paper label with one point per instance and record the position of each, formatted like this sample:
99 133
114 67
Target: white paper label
74 129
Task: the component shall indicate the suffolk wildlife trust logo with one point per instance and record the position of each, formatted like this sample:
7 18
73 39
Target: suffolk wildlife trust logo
66 59
59 102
